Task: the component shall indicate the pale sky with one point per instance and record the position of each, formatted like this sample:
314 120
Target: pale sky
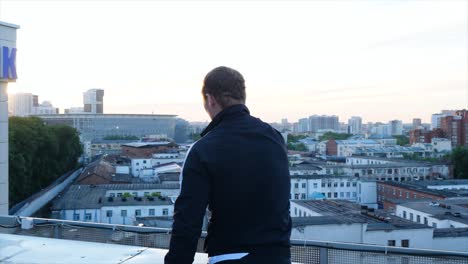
380 60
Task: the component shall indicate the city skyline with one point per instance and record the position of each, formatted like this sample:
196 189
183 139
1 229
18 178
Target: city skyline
302 58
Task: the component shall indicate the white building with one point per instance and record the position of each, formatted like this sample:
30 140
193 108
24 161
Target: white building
437 214
355 125
116 203
93 101
310 187
343 221
20 104
45 108
435 120
441 145
396 127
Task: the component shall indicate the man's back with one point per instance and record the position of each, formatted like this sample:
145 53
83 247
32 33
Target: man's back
247 162
241 163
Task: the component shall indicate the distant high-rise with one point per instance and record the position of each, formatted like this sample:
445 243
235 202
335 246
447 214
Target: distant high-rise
93 101
416 123
455 128
317 122
396 127
435 120
303 125
21 104
355 125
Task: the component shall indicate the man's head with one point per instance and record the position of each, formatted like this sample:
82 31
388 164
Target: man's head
222 88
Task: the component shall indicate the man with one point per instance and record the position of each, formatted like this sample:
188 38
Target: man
239 169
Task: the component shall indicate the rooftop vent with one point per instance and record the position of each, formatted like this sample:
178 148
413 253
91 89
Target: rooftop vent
110 199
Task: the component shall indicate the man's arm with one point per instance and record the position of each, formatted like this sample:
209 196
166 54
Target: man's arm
189 210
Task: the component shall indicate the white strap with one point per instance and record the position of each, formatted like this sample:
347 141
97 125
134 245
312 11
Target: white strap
233 256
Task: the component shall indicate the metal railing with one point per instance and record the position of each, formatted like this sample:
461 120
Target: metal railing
318 252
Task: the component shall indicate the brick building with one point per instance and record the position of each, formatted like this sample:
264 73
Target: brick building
423 136
147 149
390 193
455 128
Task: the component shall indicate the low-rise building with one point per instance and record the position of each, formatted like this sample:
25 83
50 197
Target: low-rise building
438 214
391 193
115 203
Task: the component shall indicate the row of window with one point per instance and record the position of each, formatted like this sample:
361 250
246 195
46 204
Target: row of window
328 195
396 192
300 214
123 213
418 219
134 194
403 243
335 184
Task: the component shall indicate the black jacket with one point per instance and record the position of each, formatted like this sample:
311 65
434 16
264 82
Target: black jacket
239 169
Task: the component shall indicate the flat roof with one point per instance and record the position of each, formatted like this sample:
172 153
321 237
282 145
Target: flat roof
5 24
414 185
94 196
347 211
440 211
102 115
31 249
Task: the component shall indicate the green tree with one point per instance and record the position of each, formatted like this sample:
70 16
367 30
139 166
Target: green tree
402 140
295 138
336 136
297 147
39 154
459 160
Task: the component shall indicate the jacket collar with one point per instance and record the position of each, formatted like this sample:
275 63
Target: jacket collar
225 113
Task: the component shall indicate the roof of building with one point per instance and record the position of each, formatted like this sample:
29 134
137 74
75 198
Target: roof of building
416 186
451 232
312 177
348 211
169 176
443 210
323 220
147 144
94 196
357 142
387 149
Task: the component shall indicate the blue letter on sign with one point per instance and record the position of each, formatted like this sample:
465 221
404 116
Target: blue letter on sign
9 63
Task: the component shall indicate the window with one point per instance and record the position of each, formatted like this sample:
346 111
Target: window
335 184
112 194
329 195
401 193
405 243
418 218
414 196
341 184
354 184
394 191
147 193
119 194
296 196
137 212
88 217
315 185
165 211
303 185
296 185
348 194
135 194
341 194
144 162
109 213
137 163
407 195
404 214
335 195
391 243
303 196
329 184
76 217
323 185
123 213
151 212
411 216
434 225
354 194
295 211
425 221
348 184
300 213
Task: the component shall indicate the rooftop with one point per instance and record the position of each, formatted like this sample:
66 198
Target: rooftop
444 210
420 187
94 196
349 212
147 144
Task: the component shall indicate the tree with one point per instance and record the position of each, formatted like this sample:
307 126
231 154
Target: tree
336 136
402 140
459 160
297 147
39 154
295 138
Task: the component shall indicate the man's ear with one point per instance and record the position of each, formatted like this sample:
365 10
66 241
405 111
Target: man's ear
211 100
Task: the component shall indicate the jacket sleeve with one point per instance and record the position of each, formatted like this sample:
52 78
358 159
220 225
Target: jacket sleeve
189 210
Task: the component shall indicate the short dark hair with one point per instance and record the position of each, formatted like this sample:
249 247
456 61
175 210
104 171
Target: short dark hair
226 85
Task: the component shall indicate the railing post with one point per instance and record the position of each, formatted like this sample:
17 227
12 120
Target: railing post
323 256
57 231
